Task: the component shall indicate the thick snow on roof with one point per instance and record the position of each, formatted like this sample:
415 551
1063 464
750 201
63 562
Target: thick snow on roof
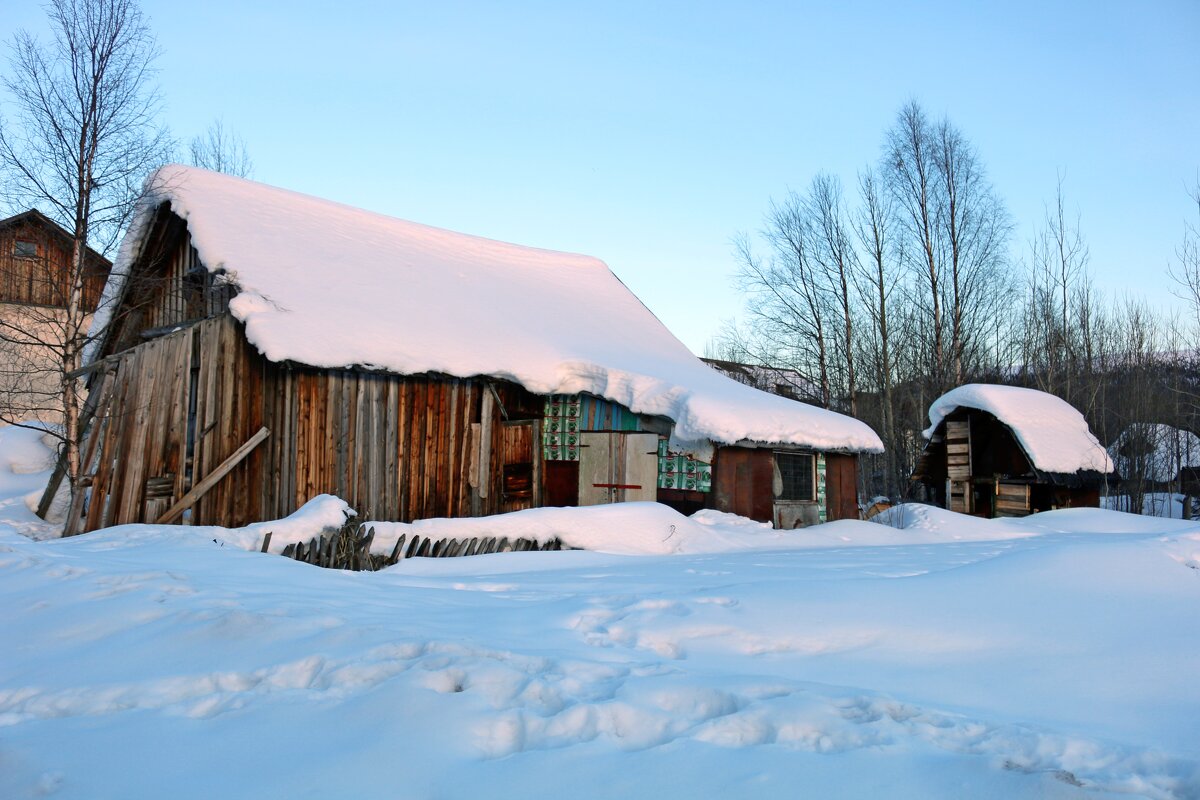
328 285
1053 434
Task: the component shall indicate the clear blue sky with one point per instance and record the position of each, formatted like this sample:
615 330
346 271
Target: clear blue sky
648 134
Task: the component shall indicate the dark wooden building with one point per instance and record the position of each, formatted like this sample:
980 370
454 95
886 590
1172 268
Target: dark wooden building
35 263
202 412
1005 451
35 284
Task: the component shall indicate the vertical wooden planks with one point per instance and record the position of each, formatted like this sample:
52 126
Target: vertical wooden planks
449 462
420 397
291 451
438 487
403 458
486 413
395 447
389 448
342 434
380 446
467 447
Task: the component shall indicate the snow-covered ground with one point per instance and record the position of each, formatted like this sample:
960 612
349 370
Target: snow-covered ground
950 657
1154 504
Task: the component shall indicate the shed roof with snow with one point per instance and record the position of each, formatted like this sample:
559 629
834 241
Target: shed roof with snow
328 285
1053 434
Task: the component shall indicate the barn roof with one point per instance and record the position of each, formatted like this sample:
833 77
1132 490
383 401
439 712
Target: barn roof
329 285
35 217
1055 436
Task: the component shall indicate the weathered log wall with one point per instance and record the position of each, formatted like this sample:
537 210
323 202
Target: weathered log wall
394 447
134 456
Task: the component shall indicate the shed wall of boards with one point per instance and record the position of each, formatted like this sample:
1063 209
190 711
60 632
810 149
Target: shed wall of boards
394 447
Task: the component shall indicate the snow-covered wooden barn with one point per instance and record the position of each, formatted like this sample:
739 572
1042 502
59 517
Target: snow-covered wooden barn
1003 451
416 373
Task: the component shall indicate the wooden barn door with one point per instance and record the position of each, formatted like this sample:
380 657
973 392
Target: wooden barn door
617 467
841 486
958 466
520 464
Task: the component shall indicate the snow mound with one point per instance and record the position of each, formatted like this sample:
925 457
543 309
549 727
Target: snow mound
320 514
644 528
26 458
640 529
916 517
328 285
1053 434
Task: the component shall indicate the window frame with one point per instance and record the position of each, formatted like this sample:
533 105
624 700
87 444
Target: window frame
16 248
782 496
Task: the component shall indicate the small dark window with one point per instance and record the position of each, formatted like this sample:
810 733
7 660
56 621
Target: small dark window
24 249
794 476
518 481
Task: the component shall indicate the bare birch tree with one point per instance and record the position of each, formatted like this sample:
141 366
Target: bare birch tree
1186 272
788 303
911 175
221 150
834 255
876 278
972 237
1058 274
82 135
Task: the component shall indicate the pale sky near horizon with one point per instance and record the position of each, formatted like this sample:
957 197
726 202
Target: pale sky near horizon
649 135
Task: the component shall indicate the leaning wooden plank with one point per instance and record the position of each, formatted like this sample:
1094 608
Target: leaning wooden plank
213 477
266 542
413 547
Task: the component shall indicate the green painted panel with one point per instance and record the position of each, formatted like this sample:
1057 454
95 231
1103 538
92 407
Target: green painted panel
677 471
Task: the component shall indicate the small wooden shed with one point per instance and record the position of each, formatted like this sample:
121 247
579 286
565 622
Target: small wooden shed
266 347
1006 451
